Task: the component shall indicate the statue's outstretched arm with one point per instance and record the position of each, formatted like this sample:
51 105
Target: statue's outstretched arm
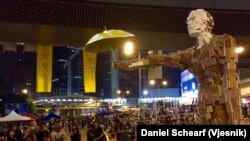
180 59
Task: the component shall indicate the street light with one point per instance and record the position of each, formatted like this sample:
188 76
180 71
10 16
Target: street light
118 92
145 92
25 91
239 49
153 82
128 48
164 83
127 92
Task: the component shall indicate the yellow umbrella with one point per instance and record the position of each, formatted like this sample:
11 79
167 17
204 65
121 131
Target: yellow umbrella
107 40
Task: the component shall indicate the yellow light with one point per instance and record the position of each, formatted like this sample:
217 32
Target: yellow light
152 82
239 49
128 48
127 92
118 91
25 91
47 110
164 83
150 52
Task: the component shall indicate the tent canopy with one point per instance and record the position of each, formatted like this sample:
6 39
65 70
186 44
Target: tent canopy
32 116
13 116
104 113
51 116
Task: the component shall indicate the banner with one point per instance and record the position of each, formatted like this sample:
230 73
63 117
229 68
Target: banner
89 65
44 68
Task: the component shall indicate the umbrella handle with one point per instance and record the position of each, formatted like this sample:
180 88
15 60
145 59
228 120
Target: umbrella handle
113 54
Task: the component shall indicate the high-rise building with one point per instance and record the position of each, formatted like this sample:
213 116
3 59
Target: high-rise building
23 74
67 75
103 75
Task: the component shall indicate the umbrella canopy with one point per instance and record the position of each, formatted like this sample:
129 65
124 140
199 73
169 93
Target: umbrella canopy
13 116
106 40
51 116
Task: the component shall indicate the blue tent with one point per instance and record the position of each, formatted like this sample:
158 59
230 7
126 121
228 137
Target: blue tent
51 116
104 113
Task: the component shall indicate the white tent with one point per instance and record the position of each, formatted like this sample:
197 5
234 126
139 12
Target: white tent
13 116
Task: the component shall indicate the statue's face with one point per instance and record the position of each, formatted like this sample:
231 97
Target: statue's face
196 25
199 21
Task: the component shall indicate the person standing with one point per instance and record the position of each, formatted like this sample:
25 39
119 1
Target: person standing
90 131
75 134
98 132
42 133
11 135
124 129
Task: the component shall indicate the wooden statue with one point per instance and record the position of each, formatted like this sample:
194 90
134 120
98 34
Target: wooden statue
213 61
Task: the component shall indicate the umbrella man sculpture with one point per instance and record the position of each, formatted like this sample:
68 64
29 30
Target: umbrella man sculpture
100 42
213 62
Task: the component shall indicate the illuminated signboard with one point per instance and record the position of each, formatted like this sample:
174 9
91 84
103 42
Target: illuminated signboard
20 108
189 84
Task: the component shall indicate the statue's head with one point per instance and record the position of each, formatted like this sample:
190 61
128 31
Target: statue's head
199 21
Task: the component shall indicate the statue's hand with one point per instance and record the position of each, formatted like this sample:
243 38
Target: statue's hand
121 65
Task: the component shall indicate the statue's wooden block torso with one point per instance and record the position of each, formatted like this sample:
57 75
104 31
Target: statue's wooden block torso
214 66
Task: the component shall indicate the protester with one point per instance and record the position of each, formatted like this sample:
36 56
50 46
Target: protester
75 134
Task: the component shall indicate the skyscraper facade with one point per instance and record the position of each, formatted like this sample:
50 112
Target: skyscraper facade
67 78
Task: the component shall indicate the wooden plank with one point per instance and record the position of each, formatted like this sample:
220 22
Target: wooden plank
229 107
222 61
233 84
210 109
235 93
215 90
208 62
208 116
218 80
209 73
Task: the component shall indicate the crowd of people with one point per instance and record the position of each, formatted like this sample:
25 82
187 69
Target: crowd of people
114 127
39 131
97 129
